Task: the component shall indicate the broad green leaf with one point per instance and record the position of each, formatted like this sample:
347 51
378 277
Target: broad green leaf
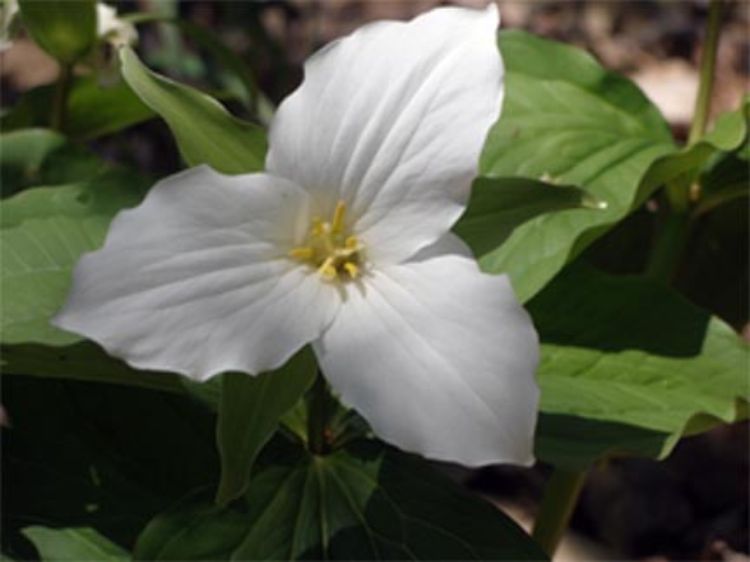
74 544
566 120
101 456
575 443
684 166
205 132
44 232
93 110
249 414
363 502
82 361
627 350
498 205
34 157
725 178
66 29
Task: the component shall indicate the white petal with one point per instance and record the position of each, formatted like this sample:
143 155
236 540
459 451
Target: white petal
196 279
440 359
391 119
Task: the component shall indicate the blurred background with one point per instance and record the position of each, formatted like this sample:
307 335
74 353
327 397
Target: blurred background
694 505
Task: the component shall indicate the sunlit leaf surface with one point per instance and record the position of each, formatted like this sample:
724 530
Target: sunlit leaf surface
567 120
634 354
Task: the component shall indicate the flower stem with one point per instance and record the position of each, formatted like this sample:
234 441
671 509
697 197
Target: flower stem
707 69
319 411
60 102
670 245
560 498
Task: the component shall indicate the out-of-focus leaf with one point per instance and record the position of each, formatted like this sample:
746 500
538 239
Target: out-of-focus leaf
44 231
66 29
363 502
95 455
204 131
566 120
93 110
630 352
499 205
213 44
35 157
74 544
249 413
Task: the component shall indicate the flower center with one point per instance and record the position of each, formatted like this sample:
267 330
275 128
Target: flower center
330 249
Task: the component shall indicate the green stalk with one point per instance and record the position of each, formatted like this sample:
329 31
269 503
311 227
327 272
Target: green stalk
707 71
560 498
670 246
60 102
319 411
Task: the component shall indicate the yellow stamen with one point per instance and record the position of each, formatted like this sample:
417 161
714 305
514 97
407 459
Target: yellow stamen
302 253
336 255
337 224
318 227
351 269
327 270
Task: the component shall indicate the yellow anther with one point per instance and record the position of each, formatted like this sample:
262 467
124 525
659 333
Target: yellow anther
337 224
351 269
302 253
329 249
328 270
318 227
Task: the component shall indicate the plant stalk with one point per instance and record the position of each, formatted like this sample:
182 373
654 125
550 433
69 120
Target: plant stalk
670 245
319 411
60 101
707 71
560 498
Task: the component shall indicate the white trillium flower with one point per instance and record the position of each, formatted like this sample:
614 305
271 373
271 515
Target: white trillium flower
344 243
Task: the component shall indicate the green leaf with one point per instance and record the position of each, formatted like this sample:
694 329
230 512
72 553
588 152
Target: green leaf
685 165
498 205
727 180
34 157
44 231
249 414
66 29
93 110
82 361
204 130
250 94
366 502
632 353
74 544
101 456
566 120
575 442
